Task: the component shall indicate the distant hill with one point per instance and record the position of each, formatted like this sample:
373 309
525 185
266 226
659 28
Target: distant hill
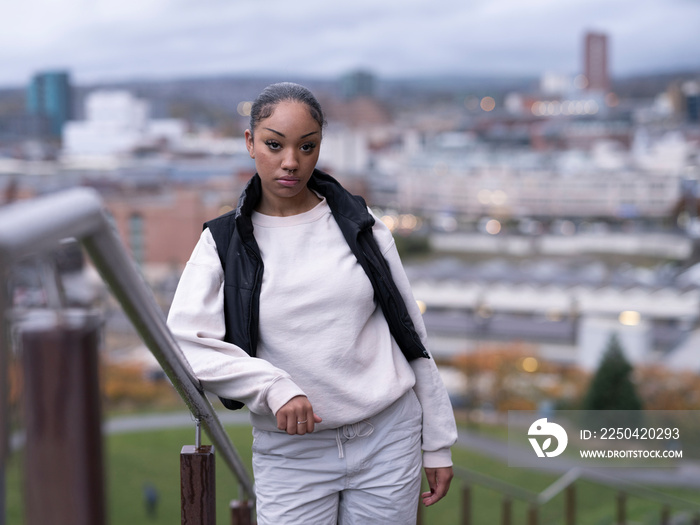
649 85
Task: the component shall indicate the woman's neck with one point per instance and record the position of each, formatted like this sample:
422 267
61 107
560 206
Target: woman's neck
286 207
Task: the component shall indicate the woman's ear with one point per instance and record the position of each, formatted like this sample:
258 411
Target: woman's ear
249 143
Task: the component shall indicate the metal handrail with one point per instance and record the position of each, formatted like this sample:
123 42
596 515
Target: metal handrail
38 225
510 490
561 484
641 491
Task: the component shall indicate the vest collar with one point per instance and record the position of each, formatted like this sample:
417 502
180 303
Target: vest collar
342 203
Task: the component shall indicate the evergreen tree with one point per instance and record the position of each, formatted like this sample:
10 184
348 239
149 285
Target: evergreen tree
611 387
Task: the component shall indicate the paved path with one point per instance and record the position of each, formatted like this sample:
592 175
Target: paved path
140 423
145 422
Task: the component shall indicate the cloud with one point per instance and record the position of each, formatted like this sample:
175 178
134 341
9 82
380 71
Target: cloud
111 39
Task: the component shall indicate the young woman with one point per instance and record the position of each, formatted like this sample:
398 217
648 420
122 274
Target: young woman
296 304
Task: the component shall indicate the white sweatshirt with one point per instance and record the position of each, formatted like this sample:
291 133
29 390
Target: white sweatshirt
321 334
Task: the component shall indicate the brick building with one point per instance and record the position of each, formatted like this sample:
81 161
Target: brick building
162 228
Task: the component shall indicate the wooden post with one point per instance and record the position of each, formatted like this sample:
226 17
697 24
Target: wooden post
4 390
64 482
570 503
507 511
197 485
466 504
241 513
621 511
665 515
532 515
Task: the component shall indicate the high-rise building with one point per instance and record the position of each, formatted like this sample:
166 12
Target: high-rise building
595 62
49 95
691 92
357 84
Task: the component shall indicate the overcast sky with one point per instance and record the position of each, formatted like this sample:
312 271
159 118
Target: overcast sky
131 39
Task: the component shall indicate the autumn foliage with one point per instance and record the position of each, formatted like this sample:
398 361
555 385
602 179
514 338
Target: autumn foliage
128 386
513 377
662 389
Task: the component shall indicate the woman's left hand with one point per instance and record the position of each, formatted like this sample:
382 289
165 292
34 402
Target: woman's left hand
439 482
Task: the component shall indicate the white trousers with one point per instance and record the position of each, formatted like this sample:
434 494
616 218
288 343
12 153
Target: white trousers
360 474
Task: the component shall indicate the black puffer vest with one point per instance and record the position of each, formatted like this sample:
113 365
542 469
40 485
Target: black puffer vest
243 266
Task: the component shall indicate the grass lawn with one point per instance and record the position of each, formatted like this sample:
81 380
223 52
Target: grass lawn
135 459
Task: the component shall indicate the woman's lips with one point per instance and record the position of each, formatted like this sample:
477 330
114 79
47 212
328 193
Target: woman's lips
288 182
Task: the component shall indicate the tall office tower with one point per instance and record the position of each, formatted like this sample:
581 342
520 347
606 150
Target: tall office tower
357 84
595 62
691 92
49 95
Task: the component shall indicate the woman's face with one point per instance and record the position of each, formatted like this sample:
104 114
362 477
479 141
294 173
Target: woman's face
285 147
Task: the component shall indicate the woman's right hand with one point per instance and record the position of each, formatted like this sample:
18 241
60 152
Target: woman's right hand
297 416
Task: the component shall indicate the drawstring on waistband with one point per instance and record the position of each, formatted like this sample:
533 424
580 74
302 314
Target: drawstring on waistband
351 432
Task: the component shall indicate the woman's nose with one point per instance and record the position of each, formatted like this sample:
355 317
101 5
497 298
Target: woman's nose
290 161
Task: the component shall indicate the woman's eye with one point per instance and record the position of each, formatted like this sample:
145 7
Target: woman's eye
307 148
273 144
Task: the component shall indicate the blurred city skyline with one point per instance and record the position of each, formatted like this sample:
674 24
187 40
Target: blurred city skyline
109 40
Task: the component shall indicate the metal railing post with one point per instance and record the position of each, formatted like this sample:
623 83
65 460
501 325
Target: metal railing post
197 433
64 482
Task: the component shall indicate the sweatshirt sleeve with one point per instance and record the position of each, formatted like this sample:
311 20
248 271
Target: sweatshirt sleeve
439 427
196 318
